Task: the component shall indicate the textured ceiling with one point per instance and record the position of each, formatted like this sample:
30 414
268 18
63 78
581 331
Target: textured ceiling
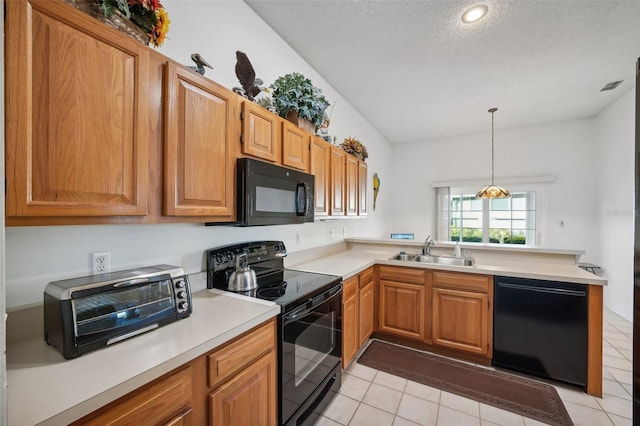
416 72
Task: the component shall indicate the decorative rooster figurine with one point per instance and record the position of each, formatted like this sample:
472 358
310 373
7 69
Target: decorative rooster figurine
376 188
200 63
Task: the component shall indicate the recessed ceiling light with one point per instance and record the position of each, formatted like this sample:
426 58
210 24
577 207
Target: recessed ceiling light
474 13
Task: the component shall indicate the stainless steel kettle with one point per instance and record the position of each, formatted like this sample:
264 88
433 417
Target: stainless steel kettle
243 278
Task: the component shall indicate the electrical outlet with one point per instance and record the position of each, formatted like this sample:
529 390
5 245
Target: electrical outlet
331 233
298 238
344 232
100 262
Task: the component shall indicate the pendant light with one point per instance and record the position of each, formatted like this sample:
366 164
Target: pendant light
493 191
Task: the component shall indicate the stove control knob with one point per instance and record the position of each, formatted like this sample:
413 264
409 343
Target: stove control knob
180 283
229 255
183 306
219 258
181 294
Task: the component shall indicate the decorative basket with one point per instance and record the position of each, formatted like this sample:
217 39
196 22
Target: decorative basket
117 20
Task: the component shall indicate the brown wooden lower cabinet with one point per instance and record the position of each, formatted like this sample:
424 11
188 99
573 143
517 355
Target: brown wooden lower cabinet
350 342
462 313
358 305
163 402
235 384
248 398
366 306
402 302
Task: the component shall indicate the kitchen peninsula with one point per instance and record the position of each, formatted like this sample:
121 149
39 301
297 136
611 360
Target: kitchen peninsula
442 307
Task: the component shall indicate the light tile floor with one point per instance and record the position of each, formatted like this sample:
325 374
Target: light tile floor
370 397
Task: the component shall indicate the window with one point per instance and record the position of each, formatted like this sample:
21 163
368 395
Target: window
499 220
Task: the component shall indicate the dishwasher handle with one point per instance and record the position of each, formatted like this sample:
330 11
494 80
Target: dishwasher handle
537 289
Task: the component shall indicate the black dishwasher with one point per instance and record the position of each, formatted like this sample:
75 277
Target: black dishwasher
541 328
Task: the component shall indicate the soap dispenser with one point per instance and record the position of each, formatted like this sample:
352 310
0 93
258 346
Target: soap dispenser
457 250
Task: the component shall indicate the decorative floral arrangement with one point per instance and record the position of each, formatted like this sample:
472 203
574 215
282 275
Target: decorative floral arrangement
354 147
149 15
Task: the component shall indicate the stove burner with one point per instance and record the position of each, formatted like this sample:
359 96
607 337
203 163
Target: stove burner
273 292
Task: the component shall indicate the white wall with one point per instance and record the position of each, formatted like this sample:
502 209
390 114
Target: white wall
563 150
615 207
215 29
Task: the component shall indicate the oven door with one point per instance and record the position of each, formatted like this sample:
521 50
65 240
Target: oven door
273 195
311 351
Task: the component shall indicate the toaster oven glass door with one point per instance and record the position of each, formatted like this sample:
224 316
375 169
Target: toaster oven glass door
120 308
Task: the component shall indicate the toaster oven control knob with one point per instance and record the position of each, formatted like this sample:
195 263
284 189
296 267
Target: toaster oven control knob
180 283
181 294
183 306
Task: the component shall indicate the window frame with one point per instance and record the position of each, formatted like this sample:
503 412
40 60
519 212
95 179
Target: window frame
540 209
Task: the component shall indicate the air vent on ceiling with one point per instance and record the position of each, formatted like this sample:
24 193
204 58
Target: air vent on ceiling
611 86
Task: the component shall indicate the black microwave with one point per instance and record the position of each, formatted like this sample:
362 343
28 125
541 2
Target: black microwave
272 195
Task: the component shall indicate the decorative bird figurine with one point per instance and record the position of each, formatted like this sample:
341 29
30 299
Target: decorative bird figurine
264 98
246 75
376 188
200 63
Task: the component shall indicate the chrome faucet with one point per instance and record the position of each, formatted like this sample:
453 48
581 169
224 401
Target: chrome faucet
428 242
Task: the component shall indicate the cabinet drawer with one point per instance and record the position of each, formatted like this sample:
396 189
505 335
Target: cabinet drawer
366 277
473 282
156 404
349 287
225 362
405 275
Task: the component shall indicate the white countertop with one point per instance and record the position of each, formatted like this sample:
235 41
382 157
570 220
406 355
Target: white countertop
350 262
44 387
513 248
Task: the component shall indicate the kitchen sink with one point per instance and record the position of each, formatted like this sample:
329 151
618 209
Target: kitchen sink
429 258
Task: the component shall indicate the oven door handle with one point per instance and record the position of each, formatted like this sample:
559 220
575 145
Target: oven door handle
298 314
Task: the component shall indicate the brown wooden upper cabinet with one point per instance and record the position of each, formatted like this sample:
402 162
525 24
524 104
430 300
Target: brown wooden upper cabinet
351 185
338 181
76 115
261 136
199 142
362 188
295 146
320 167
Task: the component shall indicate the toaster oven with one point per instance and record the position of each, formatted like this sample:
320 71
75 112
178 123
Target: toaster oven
87 313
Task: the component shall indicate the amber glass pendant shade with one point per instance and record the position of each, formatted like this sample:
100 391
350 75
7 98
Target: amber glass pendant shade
493 191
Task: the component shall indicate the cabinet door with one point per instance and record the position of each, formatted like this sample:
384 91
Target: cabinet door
402 309
198 156
351 188
462 316
260 132
295 147
76 116
249 398
320 167
366 306
338 183
362 188
350 343
460 320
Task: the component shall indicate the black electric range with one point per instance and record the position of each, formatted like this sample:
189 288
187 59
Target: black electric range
286 287
309 327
